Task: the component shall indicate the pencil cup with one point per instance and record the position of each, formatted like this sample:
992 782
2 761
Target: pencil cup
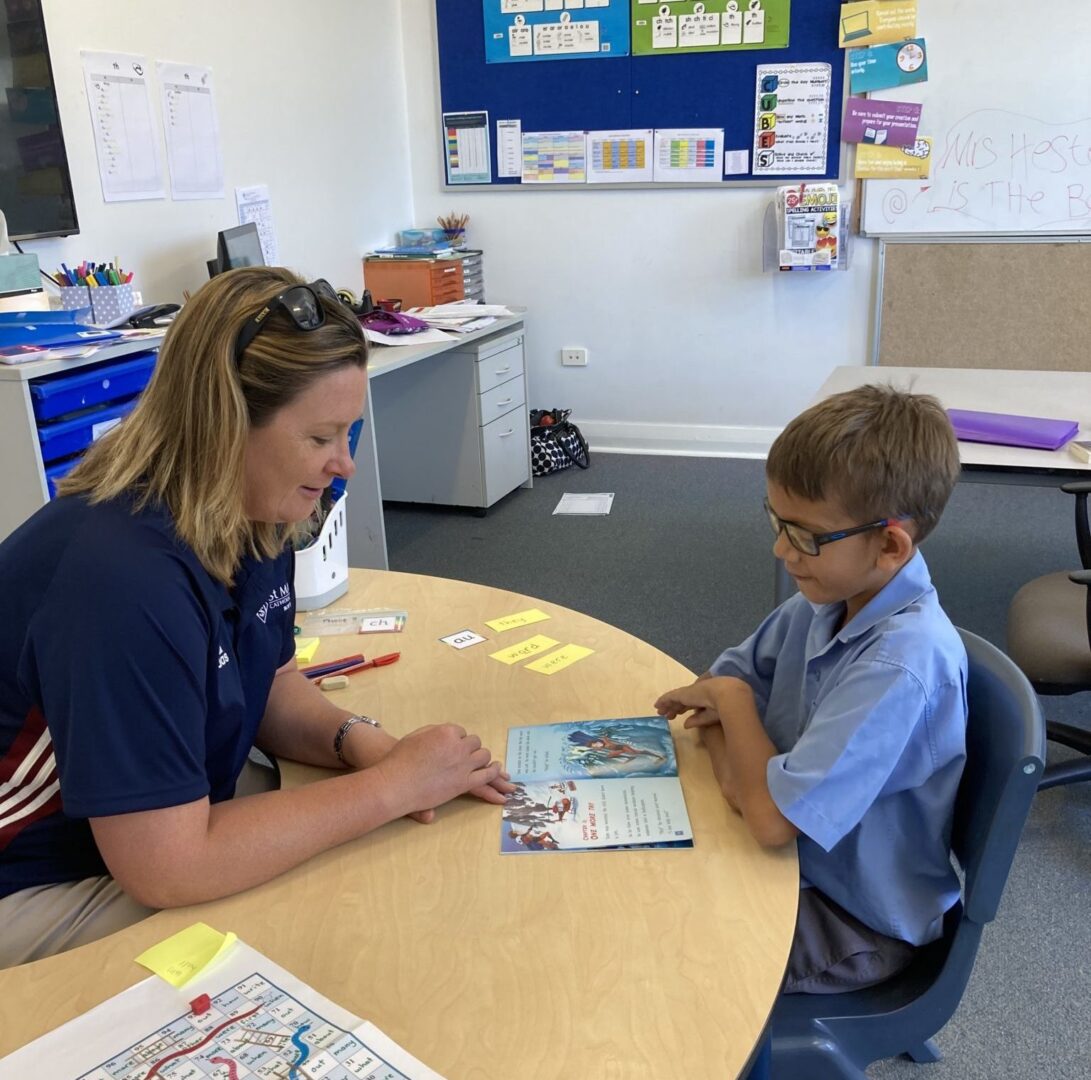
110 302
75 297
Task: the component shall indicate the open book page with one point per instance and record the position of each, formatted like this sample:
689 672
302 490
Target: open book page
594 784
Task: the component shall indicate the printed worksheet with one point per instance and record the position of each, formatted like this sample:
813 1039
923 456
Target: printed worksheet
693 156
192 130
619 157
258 1021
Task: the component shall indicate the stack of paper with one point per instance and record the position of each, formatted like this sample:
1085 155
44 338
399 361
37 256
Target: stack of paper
597 504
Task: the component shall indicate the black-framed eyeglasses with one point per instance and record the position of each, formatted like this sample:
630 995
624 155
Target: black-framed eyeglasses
303 303
810 543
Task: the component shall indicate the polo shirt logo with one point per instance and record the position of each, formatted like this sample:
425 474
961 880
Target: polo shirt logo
224 658
280 597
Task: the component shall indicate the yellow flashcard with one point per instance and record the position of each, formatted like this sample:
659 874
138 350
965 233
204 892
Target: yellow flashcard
186 953
525 649
894 162
520 618
559 660
305 648
873 22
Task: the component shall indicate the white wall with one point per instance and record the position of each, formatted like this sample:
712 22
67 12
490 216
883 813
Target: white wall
690 342
311 101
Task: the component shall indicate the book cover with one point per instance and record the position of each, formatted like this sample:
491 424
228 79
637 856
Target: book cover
594 784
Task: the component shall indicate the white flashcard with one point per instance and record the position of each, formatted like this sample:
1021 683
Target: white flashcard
463 639
753 25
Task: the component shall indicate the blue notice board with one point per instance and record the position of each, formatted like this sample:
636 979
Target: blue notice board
610 92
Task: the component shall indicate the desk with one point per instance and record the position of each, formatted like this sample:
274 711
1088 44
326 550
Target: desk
427 437
1059 394
614 964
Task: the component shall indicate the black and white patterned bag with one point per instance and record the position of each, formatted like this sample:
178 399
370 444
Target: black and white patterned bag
555 442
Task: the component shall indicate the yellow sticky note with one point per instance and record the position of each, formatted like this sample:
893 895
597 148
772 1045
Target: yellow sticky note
894 162
525 649
559 660
305 648
520 618
186 953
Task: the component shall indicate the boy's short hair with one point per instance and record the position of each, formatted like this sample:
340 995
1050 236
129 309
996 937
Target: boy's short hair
876 451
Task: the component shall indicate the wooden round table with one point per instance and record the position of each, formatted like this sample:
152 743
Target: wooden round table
660 963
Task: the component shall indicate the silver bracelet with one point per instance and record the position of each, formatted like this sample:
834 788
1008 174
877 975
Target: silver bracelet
343 730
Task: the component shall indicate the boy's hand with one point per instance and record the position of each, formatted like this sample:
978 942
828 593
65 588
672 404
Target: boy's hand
710 697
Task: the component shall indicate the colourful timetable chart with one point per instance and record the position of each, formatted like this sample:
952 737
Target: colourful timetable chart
689 156
619 157
554 157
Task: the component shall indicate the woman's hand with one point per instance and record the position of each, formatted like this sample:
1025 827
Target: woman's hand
434 764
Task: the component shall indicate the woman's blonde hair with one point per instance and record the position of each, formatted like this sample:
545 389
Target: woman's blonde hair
184 444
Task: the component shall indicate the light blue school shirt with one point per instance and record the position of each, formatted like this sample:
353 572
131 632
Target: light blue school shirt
869 722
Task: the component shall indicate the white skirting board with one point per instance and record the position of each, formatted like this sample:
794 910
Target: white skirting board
685 440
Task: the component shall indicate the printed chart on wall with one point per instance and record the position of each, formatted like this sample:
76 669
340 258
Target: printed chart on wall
554 157
792 119
519 30
192 130
466 139
664 26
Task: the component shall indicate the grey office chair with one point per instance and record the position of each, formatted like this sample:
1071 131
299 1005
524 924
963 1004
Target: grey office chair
1049 637
836 1036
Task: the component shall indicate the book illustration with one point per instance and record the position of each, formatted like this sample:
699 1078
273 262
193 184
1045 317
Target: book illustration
809 224
592 748
594 784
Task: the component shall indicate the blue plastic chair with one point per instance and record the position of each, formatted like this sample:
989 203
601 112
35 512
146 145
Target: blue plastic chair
836 1036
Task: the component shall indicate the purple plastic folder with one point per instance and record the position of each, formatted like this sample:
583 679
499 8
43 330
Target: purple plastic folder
1034 431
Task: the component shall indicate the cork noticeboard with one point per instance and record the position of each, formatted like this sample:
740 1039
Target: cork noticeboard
1014 305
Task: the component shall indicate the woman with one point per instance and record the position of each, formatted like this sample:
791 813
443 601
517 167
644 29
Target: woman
147 639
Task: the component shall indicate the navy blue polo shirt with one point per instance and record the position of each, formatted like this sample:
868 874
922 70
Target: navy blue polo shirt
130 679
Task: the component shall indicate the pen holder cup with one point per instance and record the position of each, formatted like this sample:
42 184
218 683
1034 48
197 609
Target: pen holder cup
110 302
75 297
322 567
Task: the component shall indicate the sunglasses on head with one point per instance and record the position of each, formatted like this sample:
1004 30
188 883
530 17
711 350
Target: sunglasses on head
303 304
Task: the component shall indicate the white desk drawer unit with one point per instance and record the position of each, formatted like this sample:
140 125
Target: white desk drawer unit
457 434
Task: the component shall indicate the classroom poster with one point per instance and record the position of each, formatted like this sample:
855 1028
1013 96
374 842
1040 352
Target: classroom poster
554 157
871 120
884 66
874 22
520 30
466 148
688 157
894 162
791 119
619 157
661 27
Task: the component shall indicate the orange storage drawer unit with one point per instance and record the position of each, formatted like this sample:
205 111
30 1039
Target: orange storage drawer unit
416 282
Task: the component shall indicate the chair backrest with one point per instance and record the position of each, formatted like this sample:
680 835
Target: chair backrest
1005 756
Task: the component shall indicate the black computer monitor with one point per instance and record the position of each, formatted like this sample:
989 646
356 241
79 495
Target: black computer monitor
240 246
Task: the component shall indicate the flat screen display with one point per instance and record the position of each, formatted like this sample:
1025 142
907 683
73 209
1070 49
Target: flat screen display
35 184
240 246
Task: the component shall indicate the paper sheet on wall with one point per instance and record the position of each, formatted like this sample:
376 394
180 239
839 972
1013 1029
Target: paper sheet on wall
126 140
554 157
509 148
689 156
261 1019
252 204
530 30
791 119
466 141
192 130
619 157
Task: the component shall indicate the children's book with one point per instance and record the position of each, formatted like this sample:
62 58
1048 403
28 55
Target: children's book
594 784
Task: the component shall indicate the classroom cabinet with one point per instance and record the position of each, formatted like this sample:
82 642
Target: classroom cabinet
415 282
52 410
457 434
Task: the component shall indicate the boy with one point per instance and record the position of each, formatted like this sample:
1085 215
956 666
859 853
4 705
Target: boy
842 719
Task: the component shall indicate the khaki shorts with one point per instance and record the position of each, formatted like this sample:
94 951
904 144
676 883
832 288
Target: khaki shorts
49 919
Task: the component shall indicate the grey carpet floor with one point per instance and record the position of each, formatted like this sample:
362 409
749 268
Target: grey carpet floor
684 562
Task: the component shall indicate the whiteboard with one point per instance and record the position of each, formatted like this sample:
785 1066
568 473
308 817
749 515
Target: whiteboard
1008 106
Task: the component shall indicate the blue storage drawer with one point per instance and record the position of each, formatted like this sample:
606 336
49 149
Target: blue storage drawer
71 436
55 472
55 395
